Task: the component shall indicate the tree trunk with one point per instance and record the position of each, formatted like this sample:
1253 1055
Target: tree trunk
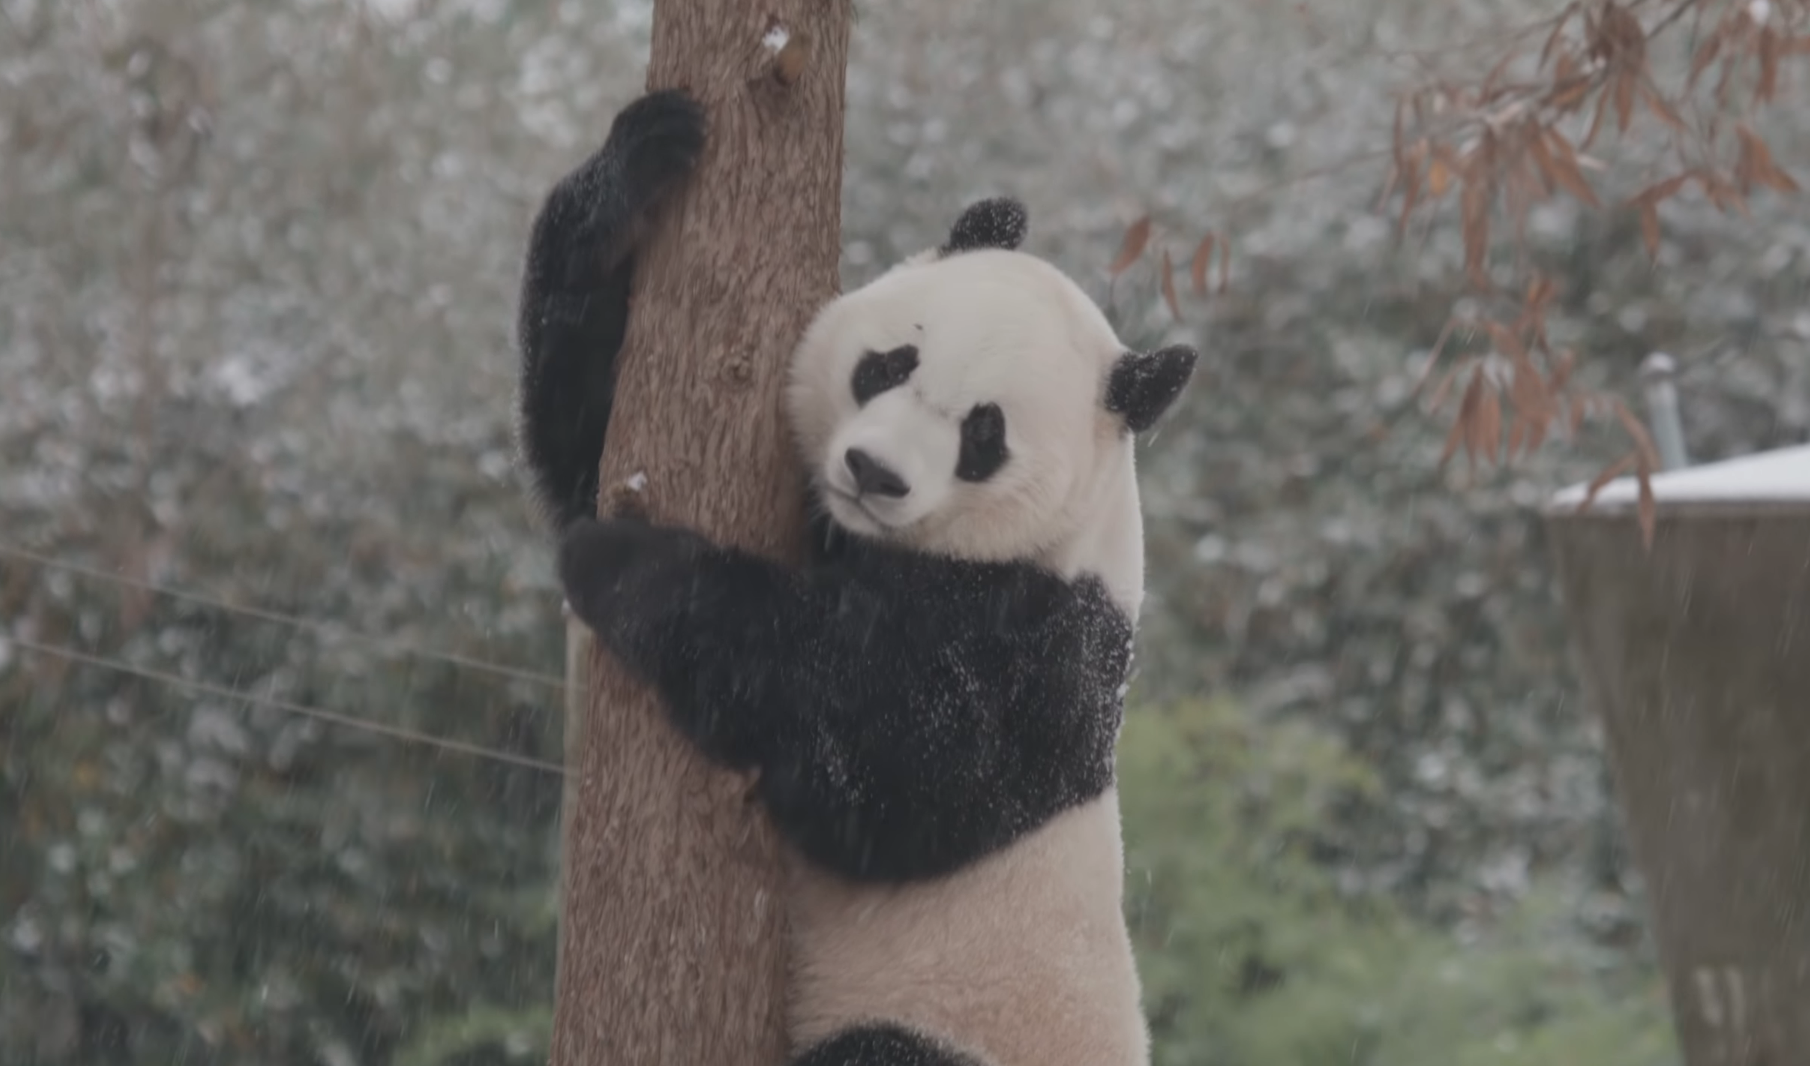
672 932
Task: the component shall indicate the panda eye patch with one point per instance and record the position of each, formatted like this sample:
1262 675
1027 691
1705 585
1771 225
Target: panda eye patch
983 443
879 371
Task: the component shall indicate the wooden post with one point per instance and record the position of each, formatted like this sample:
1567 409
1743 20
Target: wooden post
672 929
1697 657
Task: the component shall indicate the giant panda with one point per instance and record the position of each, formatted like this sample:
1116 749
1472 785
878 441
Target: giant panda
932 703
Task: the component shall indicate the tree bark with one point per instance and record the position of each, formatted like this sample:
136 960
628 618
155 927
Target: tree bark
672 931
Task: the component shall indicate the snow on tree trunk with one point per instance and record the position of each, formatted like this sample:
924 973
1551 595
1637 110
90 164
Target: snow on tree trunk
672 934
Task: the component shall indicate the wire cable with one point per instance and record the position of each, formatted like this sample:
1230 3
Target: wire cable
319 714
325 629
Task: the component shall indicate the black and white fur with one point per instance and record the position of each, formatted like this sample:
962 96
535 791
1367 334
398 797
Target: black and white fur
932 703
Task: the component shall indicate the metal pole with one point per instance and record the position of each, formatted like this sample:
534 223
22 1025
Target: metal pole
1658 372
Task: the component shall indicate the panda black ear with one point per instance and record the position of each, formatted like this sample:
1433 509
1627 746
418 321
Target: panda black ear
1142 386
996 223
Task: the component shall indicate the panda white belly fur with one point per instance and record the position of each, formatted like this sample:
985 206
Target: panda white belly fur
1022 957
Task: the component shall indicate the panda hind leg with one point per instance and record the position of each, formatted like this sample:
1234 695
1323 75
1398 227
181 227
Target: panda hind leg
882 1044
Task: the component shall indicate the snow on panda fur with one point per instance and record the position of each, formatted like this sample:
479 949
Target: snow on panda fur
932 704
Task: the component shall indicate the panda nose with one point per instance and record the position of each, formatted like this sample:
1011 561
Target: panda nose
874 477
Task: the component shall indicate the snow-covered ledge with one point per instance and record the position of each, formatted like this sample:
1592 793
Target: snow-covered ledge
1764 478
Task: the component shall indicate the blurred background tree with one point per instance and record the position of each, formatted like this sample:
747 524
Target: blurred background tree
254 328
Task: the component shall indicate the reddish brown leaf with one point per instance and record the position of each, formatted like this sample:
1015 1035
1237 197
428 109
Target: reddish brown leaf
1725 196
1536 435
1203 258
1661 191
1169 286
1540 291
1659 106
1558 28
1452 438
1474 212
1487 426
1729 68
1561 371
1606 475
1559 160
1131 247
1395 141
1596 120
1445 334
1569 88
1539 176
1648 453
1624 99
1486 88
1649 226
1647 510
1443 389
1767 85
1756 164
1389 184
1706 54
1505 340
1411 178
1467 408
1579 410
1528 393
1439 177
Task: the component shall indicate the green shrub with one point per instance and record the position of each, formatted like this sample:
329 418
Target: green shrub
1252 957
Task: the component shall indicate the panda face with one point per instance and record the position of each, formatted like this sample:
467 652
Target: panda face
959 406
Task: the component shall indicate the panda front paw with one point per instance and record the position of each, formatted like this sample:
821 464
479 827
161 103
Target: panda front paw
596 564
623 574
656 142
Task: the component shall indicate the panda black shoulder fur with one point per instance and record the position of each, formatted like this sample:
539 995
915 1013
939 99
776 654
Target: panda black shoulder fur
933 703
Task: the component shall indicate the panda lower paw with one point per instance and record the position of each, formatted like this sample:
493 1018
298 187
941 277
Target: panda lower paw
656 141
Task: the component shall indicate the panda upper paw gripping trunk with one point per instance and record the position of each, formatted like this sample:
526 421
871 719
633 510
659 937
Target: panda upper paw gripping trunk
575 292
933 701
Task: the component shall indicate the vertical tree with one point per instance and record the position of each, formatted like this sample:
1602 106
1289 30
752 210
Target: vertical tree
672 932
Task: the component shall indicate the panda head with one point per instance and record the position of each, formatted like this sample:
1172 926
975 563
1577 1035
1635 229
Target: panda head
973 402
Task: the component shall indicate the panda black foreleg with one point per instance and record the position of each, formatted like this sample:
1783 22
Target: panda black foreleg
902 728
718 632
575 292
882 1044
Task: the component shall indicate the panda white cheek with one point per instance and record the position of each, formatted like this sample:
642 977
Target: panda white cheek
1024 503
